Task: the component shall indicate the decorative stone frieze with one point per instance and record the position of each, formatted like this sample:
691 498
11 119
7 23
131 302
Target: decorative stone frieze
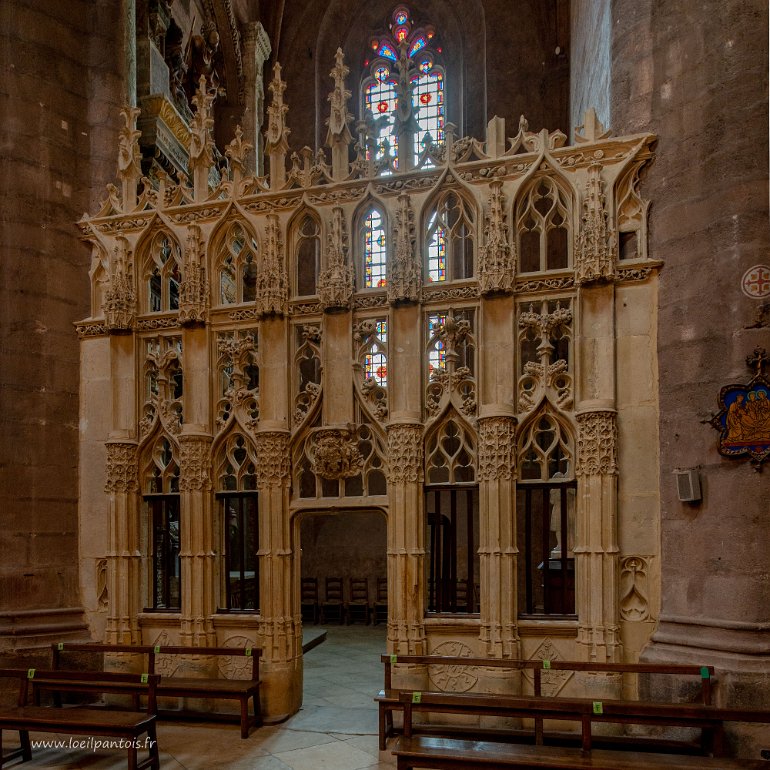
405 279
334 453
273 462
122 470
497 448
597 443
120 300
594 250
335 284
194 291
405 453
194 463
496 261
272 291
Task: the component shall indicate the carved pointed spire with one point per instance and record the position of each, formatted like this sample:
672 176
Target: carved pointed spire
497 266
593 253
338 136
237 151
277 133
129 157
405 125
120 300
201 142
335 284
193 293
591 130
405 279
272 293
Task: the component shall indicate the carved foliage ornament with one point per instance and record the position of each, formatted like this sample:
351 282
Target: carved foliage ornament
405 279
272 292
496 269
743 420
162 371
238 365
335 284
405 453
277 133
193 293
273 459
497 441
121 467
597 443
594 251
195 463
120 300
334 453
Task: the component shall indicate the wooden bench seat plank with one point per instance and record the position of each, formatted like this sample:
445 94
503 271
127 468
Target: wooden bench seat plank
209 687
43 717
436 753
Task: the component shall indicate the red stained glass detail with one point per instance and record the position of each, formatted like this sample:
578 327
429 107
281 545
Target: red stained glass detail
382 107
425 98
400 35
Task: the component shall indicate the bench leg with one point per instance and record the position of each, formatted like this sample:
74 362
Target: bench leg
257 710
244 717
382 727
26 746
132 756
152 734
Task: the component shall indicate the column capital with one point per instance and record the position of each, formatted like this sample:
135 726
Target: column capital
405 453
122 470
497 448
597 443
272 458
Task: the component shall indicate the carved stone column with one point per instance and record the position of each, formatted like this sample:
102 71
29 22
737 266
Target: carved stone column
197 551
406 540
280 627
596 551
497 535
124 555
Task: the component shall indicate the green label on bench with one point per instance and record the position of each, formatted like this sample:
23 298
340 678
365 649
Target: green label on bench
546 664
60 646
248 652
394 658
145 678
416 697
30 673
704 673
598 709
156 649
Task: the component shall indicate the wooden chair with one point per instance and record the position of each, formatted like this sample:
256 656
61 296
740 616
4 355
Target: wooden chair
333 605
380 606
309 599
358 604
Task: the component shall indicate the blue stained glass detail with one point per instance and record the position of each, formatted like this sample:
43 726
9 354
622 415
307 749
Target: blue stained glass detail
386 51
437 350
417 45
375 257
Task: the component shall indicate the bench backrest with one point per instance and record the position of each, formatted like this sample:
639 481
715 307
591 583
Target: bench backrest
21 675
252 653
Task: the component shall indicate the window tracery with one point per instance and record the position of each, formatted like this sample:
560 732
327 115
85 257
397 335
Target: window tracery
307 252
374 243
163 385
542 224
238 366
450 239
307 366
237 463
237 266
161 468
450 454
451 361
545 451
370 340
162 274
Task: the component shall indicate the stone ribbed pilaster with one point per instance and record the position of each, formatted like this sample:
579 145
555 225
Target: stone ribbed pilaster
197 541
497 535
406 540
597 549
123 556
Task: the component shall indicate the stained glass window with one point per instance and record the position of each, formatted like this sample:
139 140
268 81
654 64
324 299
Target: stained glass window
450 239
436 348
163 276
436 250
375 361
375 253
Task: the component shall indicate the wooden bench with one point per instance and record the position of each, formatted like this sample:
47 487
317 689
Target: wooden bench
709 719
388 698
241 690
127 726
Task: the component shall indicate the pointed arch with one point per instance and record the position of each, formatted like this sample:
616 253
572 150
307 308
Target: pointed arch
235 462
450 451
546 446
372 244
160 274
235 253
305 251
450 234
99 275
159 464
543 216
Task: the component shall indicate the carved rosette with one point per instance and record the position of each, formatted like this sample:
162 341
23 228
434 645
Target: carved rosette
497 443
334 453
273 461
593 251
497 272
405 279
194 463
597 443
119 300
335 284
122 471
405 454
272 292
193 293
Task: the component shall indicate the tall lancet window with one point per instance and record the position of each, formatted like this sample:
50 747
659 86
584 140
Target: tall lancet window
403 65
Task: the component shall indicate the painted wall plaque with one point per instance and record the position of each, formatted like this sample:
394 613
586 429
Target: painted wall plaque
743 420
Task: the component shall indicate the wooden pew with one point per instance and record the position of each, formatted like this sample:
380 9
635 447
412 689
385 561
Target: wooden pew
128 726
241 690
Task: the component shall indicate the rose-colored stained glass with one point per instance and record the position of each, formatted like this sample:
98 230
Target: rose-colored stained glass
375 253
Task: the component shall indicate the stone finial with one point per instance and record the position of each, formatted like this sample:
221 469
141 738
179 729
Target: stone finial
335 284
120 300
591 130
201 142
129 157
405 280
272 291
497 266
594 254
277 133
193 293
236 152
338 136
495 146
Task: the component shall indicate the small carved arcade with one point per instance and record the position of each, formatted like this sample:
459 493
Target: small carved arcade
434 330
